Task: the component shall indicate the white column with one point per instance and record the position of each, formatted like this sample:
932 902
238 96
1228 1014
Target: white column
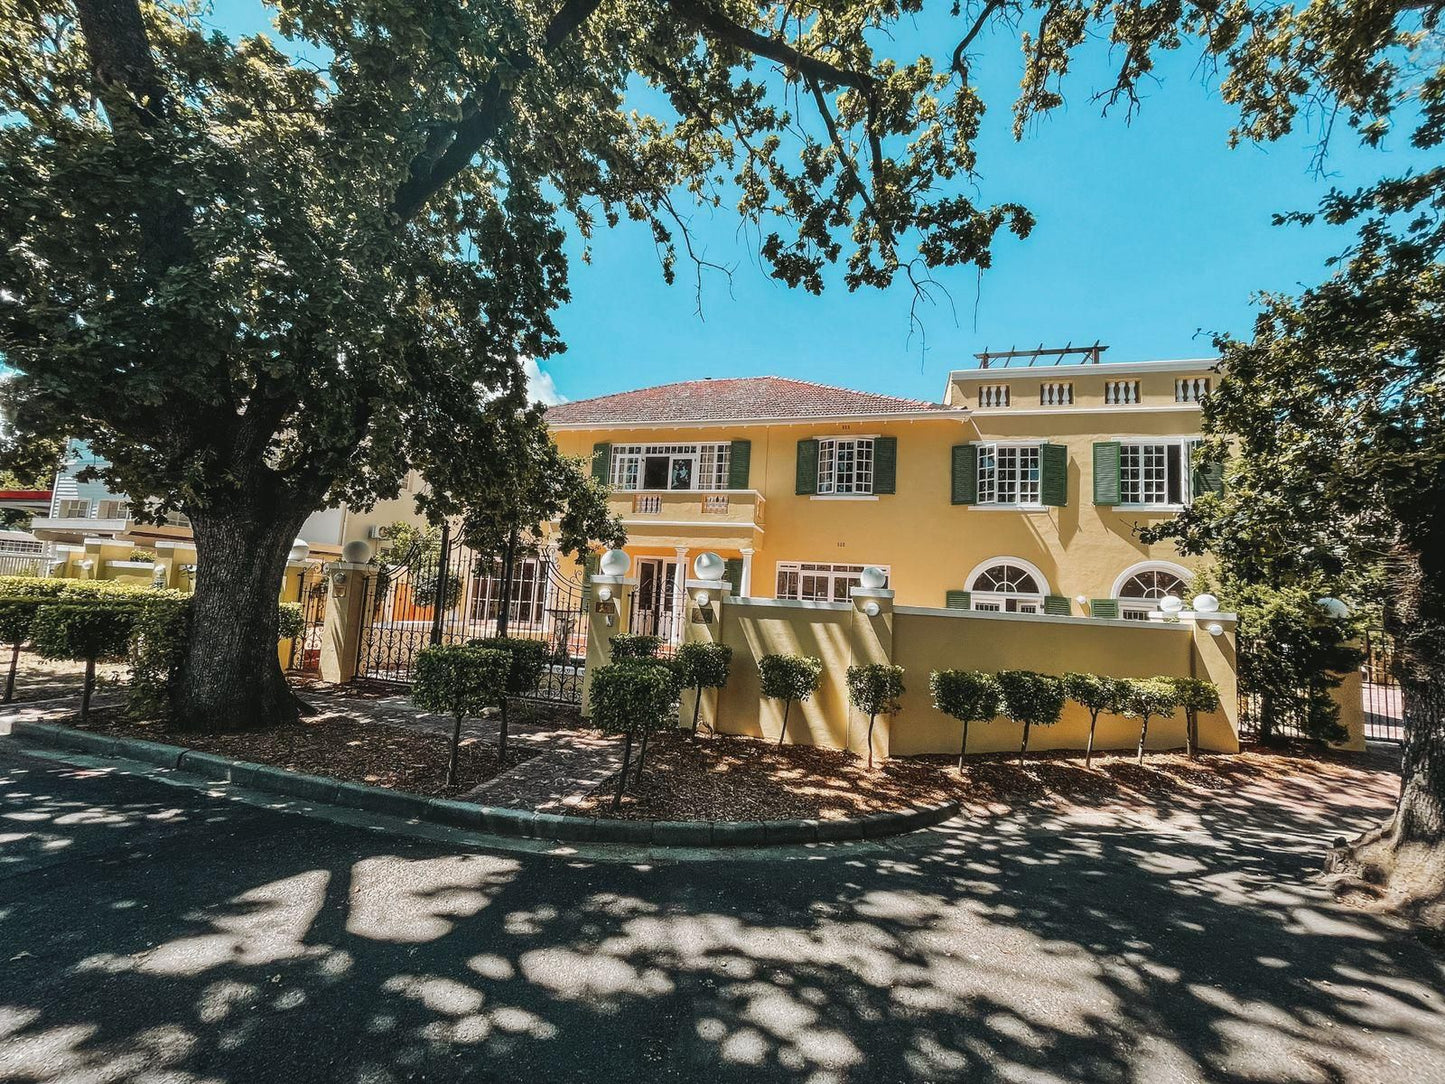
679 587
745 589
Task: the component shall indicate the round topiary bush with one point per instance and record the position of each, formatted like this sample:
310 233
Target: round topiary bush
703 666
970 696
628 645
1096 694
874 689
459 680
634 700
1030 698
1143 699
83 631
529 662
788 678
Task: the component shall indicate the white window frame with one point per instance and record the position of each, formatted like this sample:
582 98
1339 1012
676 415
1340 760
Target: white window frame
993 475
1178 455
73 508
854 480
847 574
118 505
710 462
1007 601
1141 609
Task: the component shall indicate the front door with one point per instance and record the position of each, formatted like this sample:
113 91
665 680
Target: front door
652 605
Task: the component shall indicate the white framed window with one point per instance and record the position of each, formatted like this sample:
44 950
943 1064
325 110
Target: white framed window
811 581
1121 392
670 466
845 465
1140 588
1056 393
72 508
1191 389
1009 474
1156 474
992 395
1007 585
112 509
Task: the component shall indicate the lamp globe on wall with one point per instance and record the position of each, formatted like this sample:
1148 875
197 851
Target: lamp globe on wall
873 578
614 563
1333 608
709 566
300 550
356 552
1214 628
1206 604
1171 604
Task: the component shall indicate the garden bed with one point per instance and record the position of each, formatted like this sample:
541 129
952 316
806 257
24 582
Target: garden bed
340 748
45 679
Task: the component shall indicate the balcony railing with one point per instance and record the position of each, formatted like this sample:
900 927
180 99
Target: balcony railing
741 506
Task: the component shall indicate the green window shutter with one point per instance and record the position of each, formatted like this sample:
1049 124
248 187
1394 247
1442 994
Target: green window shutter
590 564
1208 477
733 573
807 466
885 464
740 462
602 462
1054 475
1105 607
965 474
956 600
1106 472
1058 605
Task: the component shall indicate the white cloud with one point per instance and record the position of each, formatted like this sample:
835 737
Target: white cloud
540 386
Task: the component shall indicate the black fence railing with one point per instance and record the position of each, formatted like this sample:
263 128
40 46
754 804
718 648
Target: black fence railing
1263 716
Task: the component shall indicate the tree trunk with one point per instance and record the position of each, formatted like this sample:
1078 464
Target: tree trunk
14 664
452 760
641 758
871 720
1191 740
231 677
696 707
1143 733
509 555
963 747
622 775
1024 745
85 692
502 737
787 706
1401 864
1089 749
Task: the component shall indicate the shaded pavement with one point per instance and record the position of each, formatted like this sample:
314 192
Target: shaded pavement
153 933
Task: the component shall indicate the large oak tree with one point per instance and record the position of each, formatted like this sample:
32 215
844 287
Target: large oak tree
256 285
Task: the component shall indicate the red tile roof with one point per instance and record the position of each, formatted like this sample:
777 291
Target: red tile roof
749 398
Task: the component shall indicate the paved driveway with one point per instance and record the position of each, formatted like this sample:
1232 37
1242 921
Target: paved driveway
151 933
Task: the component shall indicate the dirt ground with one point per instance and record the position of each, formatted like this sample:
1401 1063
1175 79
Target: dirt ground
43 679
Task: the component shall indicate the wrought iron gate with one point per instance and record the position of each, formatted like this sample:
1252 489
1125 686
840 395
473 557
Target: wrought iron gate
1383 707
449 594
306 648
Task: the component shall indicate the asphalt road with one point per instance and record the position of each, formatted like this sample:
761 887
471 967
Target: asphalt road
151 933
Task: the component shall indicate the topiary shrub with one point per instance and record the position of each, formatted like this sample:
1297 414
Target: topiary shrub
290 620
16 617
459 680
632 699
529 662
1032 699
157 650
83 632
874 689
970 696
1097 694
1144 698
31 586
788 678
703 666
1194 695
627 645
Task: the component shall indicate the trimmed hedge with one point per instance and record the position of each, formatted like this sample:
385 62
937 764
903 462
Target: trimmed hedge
703 666
970 696
459 680
874 689
627 645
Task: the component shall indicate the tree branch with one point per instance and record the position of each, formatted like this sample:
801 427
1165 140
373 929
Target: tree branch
974 31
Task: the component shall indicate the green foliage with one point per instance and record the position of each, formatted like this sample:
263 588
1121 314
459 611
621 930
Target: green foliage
626 645
1195 694
529 661
79 631
1031 698
1094 691
290 620
703 666
789 677
32 586
1147 698
425 589
16 617
633 698
157 651
459 680
969 696
874 688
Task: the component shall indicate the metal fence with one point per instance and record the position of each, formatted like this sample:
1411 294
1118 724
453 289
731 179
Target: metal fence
1263 717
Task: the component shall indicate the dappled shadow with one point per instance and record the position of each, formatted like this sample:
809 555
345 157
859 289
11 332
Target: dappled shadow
159 931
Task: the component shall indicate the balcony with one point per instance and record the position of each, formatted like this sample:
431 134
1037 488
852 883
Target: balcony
688 507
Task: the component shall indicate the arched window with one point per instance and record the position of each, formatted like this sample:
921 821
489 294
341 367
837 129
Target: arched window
1007 585
1140 588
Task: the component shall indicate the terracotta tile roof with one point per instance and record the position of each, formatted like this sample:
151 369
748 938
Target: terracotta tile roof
749 398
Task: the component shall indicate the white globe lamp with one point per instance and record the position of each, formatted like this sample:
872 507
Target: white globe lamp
1214 628
300 550
1171 604
871 608
1206 604
873 578
709 566
614 563
703 598
356 552
1333 608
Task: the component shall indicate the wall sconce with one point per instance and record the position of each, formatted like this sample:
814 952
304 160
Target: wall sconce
87 565
1214 628
604 594
871 608
1082 600
703 598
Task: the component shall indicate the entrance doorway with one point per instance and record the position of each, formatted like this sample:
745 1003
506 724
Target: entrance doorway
652 605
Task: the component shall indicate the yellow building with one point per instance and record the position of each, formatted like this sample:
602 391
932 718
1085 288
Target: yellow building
1019 492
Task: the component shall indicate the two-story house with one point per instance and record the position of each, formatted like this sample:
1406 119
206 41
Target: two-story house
1019 491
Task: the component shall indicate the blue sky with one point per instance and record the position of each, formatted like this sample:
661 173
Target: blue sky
1151 236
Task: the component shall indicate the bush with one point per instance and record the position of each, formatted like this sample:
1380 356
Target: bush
1144 698
157 650
529 660
874 688
1032 699
290 620
1097 694
459 680
77 631
788 678
31 586
703 666
970 696
17 615
1194 695
633 699
626 645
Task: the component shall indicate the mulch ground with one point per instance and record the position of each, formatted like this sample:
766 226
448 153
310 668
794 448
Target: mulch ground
43 679
340 748
737 778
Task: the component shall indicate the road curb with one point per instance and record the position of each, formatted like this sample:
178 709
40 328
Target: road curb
497 820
